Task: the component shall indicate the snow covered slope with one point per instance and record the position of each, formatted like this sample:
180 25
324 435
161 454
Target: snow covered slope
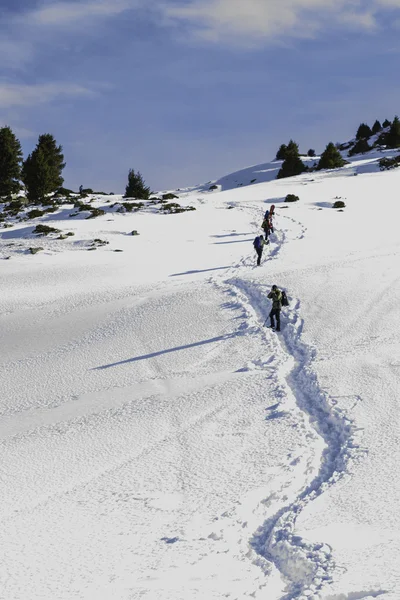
158 442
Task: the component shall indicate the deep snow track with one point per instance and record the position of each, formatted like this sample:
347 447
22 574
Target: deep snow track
306 568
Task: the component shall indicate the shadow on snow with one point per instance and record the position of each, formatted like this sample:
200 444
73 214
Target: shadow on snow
200 271
219 338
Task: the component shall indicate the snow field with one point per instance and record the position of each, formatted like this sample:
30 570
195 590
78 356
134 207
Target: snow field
138 441
159 442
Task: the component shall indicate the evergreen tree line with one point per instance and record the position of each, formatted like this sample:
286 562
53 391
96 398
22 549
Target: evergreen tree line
331 158
293 165
389 136
41 171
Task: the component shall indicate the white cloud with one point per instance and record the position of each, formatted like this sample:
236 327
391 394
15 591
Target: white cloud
17 95
237 22
251 21
233 20
72 13
24 34
359 20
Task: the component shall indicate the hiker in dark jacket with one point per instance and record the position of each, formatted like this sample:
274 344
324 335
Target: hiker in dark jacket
259 247
271 217
265 227
268 224
276 296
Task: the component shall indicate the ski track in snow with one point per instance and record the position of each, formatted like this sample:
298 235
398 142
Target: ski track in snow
306 568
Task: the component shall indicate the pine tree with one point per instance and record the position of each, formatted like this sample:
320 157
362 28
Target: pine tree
10 162
292 165
42 170
393 137
360 147
36 176
281 154
292 147
284 150
363 132
386 123
331 158
377 127
136 187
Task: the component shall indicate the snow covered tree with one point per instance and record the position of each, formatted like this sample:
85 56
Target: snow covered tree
393 137
331 158
10 162
42 170
377 127
136 187
292 165
363 132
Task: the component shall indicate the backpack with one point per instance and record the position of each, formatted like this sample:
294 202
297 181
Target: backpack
284 299
257 243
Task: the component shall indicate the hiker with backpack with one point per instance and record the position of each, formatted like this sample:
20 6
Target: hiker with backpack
265 227
259 244
279 299
271 217
268 224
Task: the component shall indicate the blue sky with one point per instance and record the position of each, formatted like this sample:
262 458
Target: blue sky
188 90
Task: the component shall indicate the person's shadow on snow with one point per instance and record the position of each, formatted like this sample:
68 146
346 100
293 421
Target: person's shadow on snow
220 338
